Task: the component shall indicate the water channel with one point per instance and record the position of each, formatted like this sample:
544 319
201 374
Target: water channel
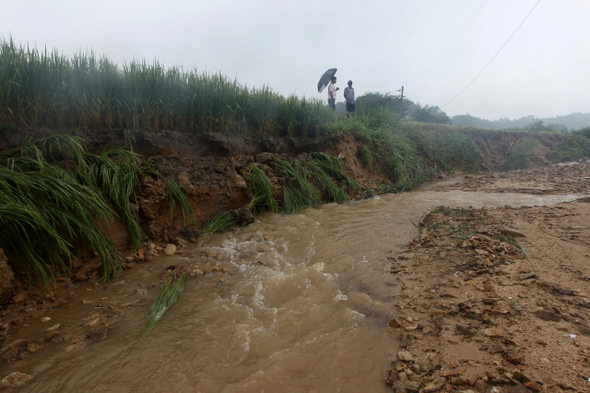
303 307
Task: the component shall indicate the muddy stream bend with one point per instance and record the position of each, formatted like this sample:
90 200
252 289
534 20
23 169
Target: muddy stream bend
303 307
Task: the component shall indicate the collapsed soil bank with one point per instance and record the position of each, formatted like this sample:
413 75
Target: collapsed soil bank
211 168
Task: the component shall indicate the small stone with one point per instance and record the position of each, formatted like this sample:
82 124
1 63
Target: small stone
32 347
514 357
75 346
45 319
402 376
99 333
413 387
533 385
52 328
405 356
15 380
511 232
454 363
496 349
435 385
480 386
170 249
548 315
465 329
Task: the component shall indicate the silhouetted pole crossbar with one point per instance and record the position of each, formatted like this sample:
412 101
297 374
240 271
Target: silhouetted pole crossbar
402 102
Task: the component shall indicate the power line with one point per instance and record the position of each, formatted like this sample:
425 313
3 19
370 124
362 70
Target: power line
451 44
492 59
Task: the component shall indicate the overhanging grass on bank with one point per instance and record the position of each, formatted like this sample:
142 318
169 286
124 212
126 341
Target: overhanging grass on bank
45 88
53 198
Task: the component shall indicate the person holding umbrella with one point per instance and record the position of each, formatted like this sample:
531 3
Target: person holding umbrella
349 96
332 89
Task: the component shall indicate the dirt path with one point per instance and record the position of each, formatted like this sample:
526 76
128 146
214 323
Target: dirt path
498 300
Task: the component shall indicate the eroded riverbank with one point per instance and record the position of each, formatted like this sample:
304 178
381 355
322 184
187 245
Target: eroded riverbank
303 306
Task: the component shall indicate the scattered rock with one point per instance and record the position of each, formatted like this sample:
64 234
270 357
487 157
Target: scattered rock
435 385
243 216
77 345
533 386
511 232
394 323
15 380
548 315
98 334
514 357
170 249
405 356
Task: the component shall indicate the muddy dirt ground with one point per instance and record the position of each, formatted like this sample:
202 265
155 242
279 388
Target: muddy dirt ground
492 300
498 300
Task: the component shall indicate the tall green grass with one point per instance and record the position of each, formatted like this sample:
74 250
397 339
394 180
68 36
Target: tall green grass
46 88
54 196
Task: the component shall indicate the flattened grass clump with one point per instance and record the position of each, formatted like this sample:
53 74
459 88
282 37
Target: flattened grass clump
169 294
319 175
220 223
298 198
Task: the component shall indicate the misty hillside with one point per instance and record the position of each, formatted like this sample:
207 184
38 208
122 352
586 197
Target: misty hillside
573 121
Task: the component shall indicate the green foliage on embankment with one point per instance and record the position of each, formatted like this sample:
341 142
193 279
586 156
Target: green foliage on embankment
411 152
318 179
54 195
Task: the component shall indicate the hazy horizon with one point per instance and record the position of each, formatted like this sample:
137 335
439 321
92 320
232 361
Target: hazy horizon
380 45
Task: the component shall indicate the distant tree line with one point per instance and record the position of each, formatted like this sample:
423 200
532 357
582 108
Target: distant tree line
405 108
573 121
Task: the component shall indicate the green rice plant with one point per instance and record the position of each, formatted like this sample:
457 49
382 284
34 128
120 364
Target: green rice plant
333 166
54 195
169 294
44 211
220 223
116 174
324 182
41 88
295 200
264 195
306 195
175 193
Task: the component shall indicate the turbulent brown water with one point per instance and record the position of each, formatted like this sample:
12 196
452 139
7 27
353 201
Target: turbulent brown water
304 307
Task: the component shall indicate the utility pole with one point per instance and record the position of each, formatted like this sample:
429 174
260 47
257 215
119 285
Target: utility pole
402 101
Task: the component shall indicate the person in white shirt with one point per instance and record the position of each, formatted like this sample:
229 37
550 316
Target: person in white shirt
349 96
332 89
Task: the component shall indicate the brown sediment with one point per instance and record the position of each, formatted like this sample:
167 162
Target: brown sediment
498 298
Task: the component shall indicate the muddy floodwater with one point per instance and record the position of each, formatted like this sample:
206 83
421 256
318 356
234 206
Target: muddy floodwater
303 307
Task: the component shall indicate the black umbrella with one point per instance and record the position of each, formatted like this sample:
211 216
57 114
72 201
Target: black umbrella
325 79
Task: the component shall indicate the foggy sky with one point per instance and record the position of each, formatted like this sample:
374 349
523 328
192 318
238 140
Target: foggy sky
379 44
